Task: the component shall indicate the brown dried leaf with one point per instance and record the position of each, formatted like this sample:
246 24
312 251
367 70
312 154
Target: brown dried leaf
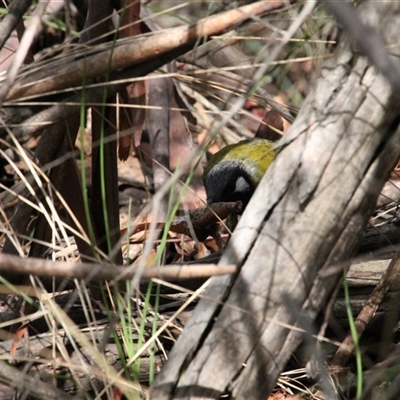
270 125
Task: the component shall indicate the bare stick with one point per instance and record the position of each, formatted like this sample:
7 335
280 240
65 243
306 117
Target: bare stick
36 266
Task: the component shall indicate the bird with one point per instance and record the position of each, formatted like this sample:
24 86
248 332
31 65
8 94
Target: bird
233 173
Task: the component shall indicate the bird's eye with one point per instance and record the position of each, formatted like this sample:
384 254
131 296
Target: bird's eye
241 185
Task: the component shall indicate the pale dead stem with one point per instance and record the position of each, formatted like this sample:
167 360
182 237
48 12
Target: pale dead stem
41 267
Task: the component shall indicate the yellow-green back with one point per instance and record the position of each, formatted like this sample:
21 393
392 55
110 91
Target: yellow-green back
256 154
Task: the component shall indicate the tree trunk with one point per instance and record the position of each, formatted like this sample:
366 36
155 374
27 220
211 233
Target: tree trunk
307 214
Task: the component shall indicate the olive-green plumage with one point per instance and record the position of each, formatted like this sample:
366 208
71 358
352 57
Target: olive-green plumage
234 172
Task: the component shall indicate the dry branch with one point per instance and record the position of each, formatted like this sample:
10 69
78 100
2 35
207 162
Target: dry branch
36 266
132 52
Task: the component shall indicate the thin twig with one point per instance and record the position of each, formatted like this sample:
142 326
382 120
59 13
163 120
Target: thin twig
35 266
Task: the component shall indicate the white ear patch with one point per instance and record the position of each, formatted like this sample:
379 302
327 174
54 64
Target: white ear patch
241 185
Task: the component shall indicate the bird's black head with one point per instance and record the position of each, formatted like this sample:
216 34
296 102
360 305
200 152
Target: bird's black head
228 181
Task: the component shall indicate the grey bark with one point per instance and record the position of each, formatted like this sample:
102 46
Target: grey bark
307 214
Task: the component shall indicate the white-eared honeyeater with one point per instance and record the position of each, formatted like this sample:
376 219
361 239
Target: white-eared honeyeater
233 173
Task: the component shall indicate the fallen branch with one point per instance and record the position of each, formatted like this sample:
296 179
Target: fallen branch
125 54
35 266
